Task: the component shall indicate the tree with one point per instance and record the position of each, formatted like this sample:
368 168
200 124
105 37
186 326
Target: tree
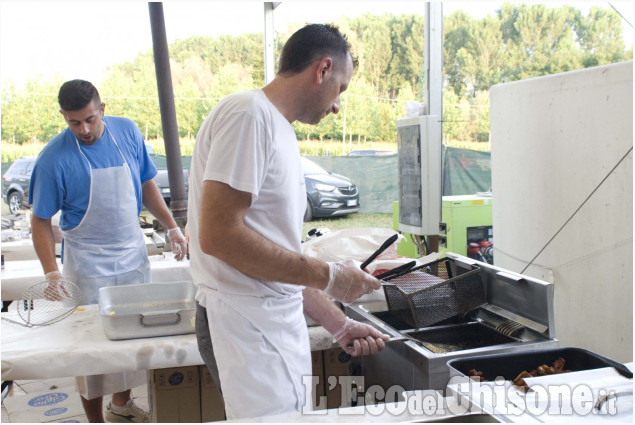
519 41
456 36
374 34
32 114
452 122
406 62
600 37
543 40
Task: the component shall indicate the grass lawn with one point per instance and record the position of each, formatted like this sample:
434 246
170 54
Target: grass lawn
350 221
336 223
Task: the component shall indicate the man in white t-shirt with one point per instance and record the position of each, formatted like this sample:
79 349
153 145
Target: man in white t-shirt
246 205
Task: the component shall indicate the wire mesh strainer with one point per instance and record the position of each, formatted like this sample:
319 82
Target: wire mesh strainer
444 290
46 303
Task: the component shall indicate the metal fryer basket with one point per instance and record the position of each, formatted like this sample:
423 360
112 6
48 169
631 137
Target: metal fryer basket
443 291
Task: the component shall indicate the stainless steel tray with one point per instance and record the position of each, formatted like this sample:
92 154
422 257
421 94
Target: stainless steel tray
148 309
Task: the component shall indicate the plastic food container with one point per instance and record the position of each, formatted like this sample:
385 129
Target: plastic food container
510 365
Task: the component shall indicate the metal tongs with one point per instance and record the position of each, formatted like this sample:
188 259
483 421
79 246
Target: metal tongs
381 249
397 271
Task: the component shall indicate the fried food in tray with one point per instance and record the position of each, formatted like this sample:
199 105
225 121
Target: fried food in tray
519 382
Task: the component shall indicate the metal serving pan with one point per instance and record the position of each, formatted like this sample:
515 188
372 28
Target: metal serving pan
148 309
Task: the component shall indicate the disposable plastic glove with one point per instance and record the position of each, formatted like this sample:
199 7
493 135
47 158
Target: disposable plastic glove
359 338
178 242
347 281
55 289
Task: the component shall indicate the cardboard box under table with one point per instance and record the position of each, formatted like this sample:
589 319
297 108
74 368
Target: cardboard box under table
174 394
212 406
339 382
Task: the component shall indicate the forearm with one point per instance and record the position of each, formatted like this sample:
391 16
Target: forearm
254 255
154 203
44 243
323 310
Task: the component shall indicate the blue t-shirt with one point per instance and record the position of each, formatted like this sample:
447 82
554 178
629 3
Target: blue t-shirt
61 176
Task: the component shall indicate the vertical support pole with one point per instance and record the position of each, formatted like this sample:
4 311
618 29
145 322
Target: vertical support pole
270 71
433 54
178 201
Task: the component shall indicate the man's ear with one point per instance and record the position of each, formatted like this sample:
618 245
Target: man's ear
324 69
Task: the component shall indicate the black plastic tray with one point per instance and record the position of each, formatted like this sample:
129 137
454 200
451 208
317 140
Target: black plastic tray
510 365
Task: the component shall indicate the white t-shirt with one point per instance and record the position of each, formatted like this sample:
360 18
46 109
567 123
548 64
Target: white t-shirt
247 143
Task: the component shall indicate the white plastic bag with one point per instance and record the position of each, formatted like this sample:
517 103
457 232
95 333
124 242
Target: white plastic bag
357 243
414 109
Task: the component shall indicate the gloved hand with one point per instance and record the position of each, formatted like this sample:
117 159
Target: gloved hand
55 289
347 281
178 242
359 338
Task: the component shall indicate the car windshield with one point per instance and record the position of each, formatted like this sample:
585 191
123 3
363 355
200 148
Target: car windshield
311 167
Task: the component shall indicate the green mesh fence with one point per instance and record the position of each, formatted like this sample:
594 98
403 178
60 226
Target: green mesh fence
375 176
465 172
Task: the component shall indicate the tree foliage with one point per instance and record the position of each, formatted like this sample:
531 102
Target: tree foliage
519 41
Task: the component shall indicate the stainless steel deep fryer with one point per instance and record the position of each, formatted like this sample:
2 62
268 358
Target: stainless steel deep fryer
435 292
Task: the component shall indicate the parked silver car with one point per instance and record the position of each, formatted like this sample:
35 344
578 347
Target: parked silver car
15 183
328 194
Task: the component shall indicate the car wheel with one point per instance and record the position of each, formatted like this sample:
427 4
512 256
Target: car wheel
308 214
15 202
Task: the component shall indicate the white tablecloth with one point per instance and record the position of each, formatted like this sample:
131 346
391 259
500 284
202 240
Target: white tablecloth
77 346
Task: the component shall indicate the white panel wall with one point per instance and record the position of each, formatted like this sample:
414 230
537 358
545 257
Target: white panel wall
554 139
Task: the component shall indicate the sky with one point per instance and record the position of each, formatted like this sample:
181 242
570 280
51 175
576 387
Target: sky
81 39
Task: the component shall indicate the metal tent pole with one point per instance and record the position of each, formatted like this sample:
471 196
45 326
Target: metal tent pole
178 202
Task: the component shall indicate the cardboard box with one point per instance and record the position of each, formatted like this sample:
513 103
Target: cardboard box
174 394
212 406
58 405
317 366
338 364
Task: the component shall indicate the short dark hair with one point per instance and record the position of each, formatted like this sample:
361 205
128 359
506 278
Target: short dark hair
312 43
77 94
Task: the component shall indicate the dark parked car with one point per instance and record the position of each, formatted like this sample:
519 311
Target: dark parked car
161 179
162 182
15 183
328 194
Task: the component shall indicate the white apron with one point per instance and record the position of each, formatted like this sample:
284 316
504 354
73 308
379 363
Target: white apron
107 248
262 350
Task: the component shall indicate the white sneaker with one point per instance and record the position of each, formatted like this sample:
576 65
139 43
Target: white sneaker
128 413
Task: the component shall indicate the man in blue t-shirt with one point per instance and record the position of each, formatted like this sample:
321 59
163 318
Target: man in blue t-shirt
98 173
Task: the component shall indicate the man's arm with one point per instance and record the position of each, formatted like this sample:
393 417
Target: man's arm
155 204
44 243
354 337
224 234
